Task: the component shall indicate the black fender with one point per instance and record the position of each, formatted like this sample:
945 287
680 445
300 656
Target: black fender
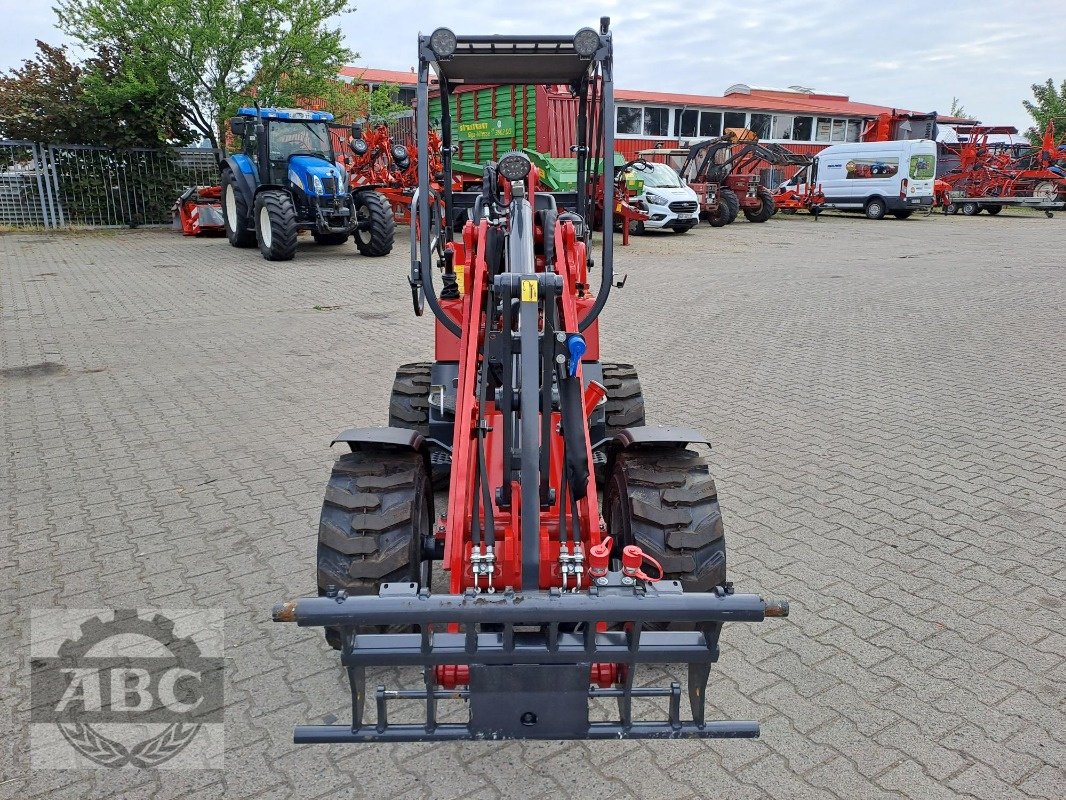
389 438
651 436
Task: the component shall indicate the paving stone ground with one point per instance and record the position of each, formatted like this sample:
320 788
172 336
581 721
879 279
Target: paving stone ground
886 403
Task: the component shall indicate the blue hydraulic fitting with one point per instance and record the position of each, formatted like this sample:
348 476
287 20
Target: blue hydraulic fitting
575 343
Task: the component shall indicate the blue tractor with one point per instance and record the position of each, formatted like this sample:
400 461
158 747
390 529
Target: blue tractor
287 178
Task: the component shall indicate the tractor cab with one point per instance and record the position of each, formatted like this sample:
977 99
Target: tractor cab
287 178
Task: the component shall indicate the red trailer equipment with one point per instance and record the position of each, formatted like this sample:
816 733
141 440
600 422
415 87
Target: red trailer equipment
552 600
991 176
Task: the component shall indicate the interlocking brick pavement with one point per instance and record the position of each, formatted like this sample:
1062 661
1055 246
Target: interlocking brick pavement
886 402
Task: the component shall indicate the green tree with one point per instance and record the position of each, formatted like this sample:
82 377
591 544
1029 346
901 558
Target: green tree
110 99
1048 103
352 103
958 109
218 52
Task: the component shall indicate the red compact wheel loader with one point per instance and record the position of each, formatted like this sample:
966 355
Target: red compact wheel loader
579 543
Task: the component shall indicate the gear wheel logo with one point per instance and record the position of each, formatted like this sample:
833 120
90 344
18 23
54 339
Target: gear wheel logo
126 690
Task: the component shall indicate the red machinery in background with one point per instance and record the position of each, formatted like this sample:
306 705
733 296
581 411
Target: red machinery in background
990 175
198 211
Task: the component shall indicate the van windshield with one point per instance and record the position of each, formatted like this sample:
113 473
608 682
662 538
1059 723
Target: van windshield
657 176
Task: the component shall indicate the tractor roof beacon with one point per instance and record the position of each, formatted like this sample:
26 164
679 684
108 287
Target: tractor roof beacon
287 178
553 601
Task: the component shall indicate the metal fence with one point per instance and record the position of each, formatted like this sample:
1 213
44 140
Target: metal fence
50 185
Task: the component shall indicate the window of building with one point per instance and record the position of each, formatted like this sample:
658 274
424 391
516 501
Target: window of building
802 129
405 95
656 121
736 119
782 126
761 125
825 128
710 123
629 119
840 127
854 130
686 122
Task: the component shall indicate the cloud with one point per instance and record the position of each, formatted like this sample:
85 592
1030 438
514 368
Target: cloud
909 53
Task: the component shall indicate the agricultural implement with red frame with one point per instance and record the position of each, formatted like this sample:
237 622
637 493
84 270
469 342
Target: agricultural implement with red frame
199 211
553 602
990 177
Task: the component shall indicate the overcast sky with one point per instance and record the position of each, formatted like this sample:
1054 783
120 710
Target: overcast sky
902 53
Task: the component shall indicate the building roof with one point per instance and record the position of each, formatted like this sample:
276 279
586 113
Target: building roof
763 100
739 96
368 75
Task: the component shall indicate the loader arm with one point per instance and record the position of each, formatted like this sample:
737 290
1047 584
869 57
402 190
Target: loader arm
551 604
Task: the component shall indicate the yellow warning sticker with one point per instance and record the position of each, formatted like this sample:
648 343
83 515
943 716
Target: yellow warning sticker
529 291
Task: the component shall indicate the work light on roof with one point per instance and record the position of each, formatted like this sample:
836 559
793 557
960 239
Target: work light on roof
586 42
442 42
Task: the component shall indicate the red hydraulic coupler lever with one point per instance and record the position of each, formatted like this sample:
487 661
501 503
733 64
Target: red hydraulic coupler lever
633 559
599 558
594 393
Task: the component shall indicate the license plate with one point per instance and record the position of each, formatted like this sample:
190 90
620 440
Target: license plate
685 216
916 199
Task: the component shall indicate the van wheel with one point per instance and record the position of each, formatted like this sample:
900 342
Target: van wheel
904 214
875 208
971 209
636 227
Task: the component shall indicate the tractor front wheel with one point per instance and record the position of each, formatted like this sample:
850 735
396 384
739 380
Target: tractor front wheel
235 212
766 209
376 227
376 517
275 225
732 202
663 499
720 216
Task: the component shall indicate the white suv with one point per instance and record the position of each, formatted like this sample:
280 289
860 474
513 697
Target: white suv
669 202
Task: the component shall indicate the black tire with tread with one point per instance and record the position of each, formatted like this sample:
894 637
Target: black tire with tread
664 500
993 208
378 238
624 406
766 210
237 231
970 209
409 408
719 218
729 197
283 229
904 213
377 510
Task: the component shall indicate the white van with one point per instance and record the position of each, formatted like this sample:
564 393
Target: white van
670 203
876 178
